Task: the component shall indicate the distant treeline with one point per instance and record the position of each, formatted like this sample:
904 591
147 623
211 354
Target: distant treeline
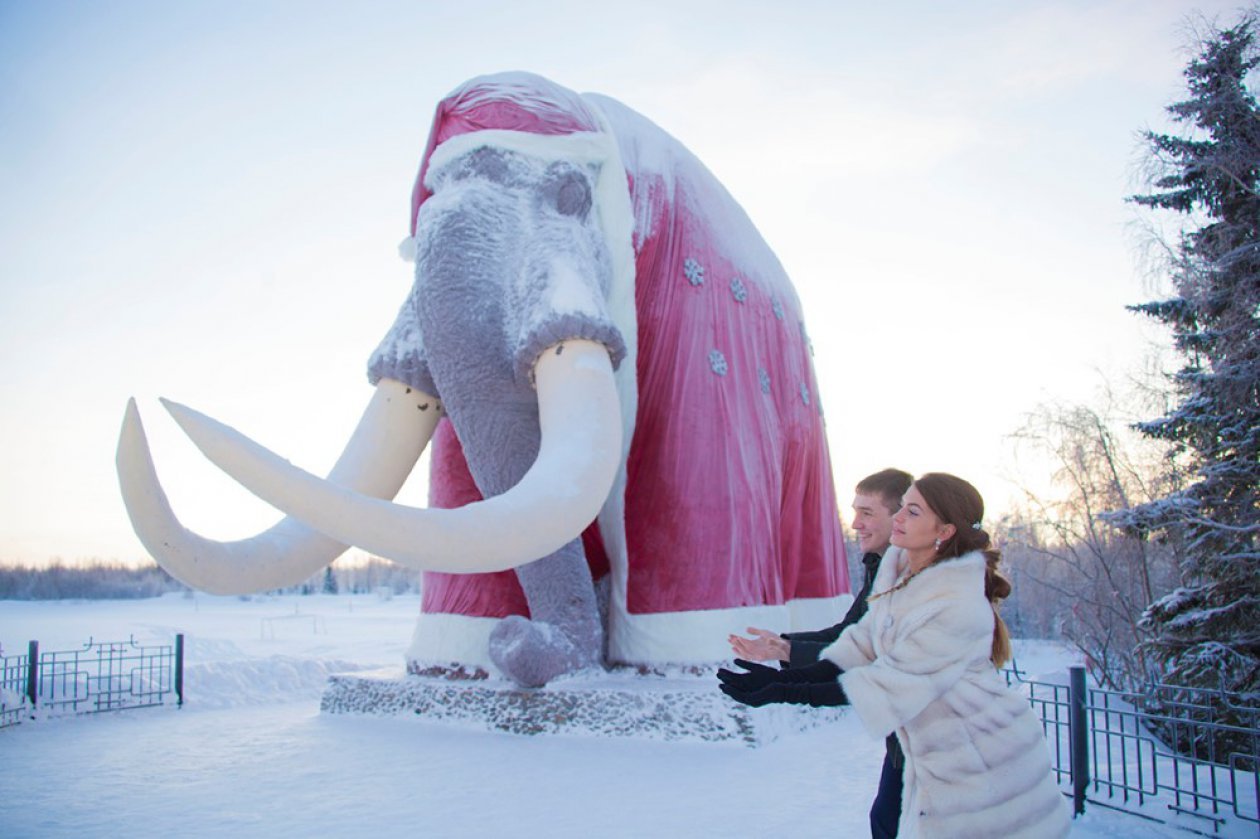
96 580
100 580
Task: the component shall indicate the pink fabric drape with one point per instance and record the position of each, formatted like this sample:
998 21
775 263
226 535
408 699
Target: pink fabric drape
729 496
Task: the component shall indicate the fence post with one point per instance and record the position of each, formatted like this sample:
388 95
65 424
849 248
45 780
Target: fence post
1078 733
32 673
179 669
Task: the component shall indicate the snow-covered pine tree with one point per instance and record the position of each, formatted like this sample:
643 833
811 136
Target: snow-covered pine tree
1207 632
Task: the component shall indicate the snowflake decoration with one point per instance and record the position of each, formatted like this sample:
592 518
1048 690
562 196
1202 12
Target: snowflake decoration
694 271
764 378
718 362
738 290
809 345
778 307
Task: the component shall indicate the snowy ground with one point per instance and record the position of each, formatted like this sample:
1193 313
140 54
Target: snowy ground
251 755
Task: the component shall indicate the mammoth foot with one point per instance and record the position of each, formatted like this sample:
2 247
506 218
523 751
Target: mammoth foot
532 653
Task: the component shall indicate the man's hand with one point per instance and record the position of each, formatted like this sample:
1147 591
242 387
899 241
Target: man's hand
763 646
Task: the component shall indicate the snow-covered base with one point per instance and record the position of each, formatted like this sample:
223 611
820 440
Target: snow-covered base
620 704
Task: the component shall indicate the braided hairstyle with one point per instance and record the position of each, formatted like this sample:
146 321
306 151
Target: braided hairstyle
957 502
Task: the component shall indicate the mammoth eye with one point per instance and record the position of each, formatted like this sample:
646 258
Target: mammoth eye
570 194
489 163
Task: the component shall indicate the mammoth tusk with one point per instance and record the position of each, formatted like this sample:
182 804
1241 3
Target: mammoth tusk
380 454
579 454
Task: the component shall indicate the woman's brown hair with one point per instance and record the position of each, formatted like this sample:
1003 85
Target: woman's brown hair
957 502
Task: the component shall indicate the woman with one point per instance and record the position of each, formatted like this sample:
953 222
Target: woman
923 664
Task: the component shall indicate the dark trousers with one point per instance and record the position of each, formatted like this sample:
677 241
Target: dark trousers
886 811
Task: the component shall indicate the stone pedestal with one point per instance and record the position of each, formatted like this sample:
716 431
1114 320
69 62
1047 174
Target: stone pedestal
615 704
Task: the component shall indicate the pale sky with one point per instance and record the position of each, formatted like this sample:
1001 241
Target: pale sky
203 201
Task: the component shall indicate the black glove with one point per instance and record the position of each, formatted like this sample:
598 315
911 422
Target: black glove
815 685
757 677
819 672
760 676
817 694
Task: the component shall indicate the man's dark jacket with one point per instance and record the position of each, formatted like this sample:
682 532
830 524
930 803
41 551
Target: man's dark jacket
807 646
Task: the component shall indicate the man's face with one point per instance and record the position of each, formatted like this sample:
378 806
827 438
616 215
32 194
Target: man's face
872 521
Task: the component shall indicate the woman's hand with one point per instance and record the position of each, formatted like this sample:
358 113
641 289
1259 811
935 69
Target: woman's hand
756 677
815 685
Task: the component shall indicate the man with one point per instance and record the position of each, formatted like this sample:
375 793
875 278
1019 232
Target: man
876 500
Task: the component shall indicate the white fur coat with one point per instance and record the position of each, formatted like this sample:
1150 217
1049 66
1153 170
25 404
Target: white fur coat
918 664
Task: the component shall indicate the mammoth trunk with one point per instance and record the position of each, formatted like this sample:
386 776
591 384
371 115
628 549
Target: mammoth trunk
512 273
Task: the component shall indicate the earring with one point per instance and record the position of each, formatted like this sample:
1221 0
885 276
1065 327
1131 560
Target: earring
938 545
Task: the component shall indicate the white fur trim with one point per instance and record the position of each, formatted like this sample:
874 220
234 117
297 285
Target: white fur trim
664 638
700 637
817 612
442 639
582 147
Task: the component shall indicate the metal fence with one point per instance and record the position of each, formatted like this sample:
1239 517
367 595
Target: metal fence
101 676
1111 748
15 670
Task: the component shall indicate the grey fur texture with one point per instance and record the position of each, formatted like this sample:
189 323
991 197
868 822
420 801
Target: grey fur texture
509 262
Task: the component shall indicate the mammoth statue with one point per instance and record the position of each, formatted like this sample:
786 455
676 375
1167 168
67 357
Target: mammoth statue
611 369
